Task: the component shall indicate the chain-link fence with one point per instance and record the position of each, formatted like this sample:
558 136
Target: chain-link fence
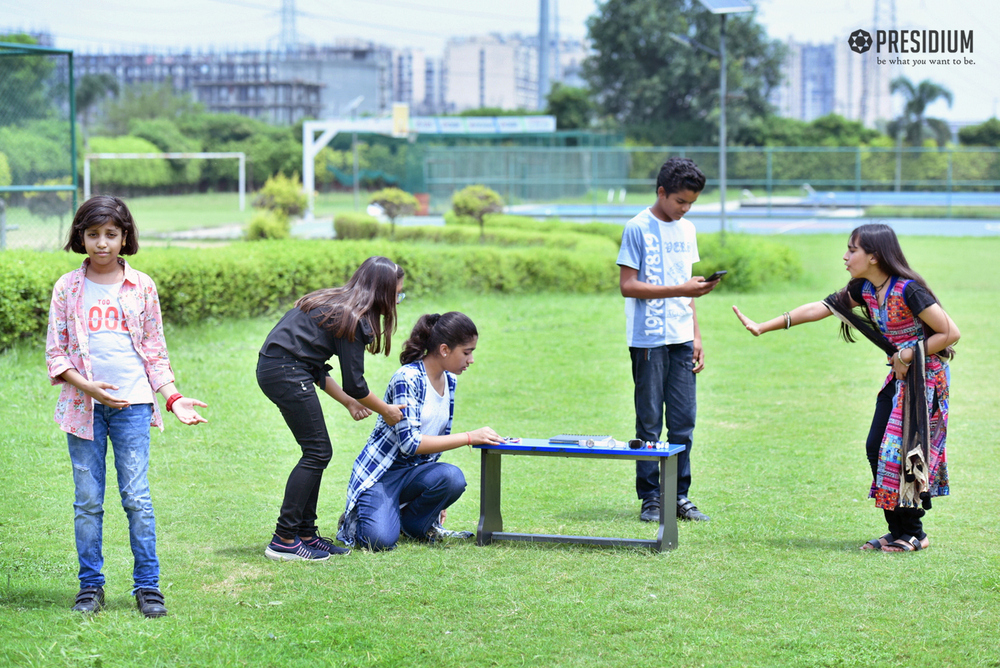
37 146
544 174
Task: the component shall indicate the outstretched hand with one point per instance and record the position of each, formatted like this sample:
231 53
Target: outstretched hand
485 436
184 409
751 326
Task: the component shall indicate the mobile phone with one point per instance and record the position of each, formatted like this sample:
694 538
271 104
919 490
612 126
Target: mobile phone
716 276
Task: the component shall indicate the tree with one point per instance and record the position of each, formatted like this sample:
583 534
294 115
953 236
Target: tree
146 101
665 92
475 202
24 93
91 89
571 106
912 124
394 203
984 134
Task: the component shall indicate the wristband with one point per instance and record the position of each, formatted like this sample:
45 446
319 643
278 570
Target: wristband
469 436
173 398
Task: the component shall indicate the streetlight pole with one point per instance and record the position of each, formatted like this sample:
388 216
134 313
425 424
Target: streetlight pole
722 8
722 128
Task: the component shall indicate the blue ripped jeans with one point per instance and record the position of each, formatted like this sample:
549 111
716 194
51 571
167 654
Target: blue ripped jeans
128 429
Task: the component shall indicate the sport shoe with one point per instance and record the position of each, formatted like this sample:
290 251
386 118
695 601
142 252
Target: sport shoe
89 600
688 511
321 544
150 603
438 533
297 551
650 510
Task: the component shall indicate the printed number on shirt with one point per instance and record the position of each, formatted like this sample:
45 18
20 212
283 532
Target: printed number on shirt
104 317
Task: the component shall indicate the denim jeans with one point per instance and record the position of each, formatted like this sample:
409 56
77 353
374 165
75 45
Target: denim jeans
425 489
128 429
290 386
664 386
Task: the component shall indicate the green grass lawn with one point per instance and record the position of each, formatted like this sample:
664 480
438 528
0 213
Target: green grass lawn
775 579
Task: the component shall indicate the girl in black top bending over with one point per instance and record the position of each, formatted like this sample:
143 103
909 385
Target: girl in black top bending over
340 321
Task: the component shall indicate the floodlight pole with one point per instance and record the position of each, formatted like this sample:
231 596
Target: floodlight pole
722 129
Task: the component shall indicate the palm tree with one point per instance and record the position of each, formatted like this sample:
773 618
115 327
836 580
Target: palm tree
912 123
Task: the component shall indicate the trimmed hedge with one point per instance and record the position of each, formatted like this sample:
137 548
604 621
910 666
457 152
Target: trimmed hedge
245 280
248 279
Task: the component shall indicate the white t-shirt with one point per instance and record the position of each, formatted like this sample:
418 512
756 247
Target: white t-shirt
113 358
434 414
662 252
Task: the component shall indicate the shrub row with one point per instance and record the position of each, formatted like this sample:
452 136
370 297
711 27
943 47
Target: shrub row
245 280
360 226
249 279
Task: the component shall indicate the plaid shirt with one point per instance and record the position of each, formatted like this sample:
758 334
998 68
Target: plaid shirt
68 343
386 444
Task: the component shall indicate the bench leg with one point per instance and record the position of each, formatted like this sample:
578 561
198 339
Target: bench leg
666 535
489 498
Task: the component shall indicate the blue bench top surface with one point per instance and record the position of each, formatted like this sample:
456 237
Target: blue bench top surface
543 445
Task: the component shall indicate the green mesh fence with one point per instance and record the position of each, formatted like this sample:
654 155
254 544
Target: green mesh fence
37 145
554 174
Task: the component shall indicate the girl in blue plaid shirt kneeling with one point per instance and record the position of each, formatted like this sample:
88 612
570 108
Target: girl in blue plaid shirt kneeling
397 483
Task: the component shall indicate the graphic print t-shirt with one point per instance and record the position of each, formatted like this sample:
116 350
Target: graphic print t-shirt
662 252
113 358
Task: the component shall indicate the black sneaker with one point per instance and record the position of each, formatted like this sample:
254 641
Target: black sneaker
297 551
650 510
321 544
89 600
150 603
688 511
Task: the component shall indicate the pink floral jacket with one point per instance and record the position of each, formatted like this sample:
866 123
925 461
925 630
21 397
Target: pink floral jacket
67 344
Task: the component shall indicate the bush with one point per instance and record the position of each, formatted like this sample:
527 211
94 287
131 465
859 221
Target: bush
268 225
476 202
246 280
282 195
355 226
394 203
752 262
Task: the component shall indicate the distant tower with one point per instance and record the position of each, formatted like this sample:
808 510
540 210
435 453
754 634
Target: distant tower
543 52
289 39
871 76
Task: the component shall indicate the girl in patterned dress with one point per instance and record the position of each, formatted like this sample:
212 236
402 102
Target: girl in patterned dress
892 306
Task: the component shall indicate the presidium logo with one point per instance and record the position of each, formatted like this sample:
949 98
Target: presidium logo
912 41
860 41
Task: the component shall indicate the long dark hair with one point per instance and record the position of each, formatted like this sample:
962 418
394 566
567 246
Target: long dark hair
881 242
451 328
370 294
98 210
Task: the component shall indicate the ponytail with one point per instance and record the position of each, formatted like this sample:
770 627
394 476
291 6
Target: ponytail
432 329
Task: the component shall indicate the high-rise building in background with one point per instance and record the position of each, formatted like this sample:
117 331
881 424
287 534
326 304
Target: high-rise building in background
502 70
830 78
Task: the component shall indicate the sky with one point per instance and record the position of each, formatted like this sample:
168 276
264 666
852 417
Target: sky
109 26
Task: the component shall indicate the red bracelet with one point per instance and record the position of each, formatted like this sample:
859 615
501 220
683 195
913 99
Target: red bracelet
173 398
468 436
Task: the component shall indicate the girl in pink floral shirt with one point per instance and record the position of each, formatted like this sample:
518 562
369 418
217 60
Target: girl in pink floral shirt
105 346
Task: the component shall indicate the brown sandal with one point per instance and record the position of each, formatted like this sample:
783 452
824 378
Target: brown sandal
907 544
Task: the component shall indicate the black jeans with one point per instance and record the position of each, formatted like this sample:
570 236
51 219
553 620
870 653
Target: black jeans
901 521
664 383
290 386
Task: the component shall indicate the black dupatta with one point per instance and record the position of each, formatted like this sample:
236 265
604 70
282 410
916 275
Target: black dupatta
914 481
